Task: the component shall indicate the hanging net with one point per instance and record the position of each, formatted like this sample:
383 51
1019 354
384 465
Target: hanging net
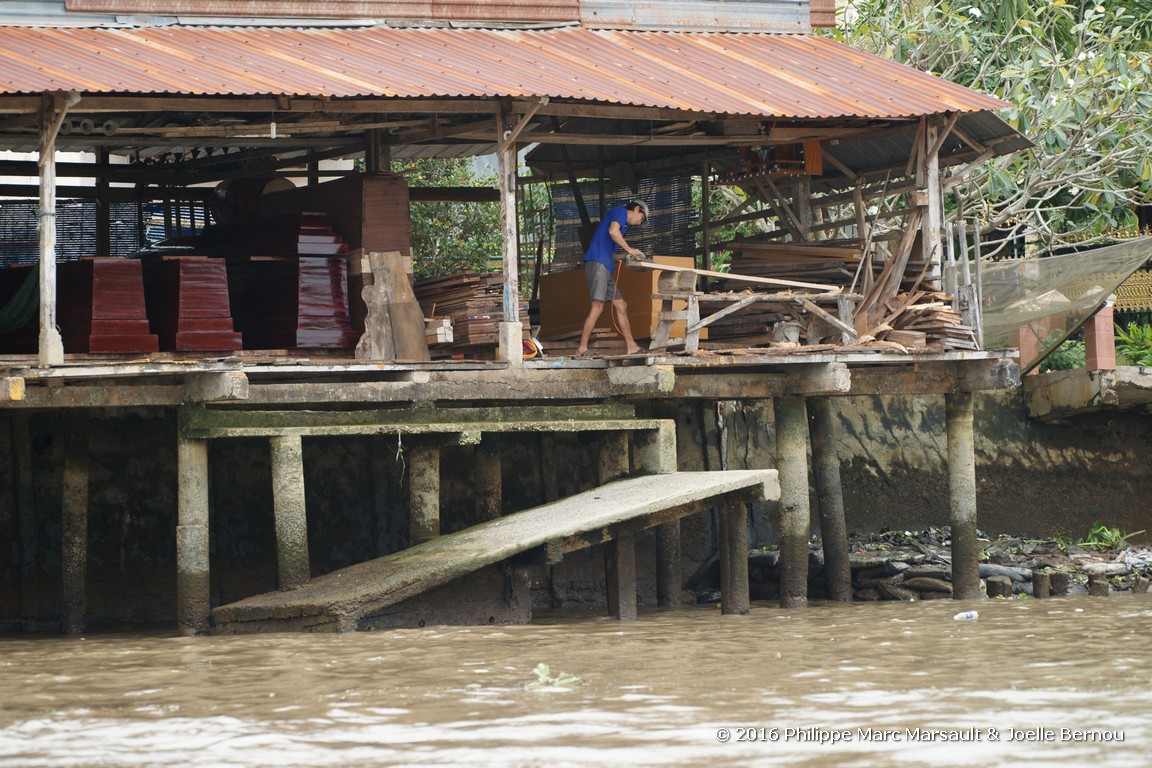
1036 304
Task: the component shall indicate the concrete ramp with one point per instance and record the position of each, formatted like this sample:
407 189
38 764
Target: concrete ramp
337 601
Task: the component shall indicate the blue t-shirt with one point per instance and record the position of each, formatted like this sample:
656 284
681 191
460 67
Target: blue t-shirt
602 247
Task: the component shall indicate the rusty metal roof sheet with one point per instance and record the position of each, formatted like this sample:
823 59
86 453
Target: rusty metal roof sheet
781 76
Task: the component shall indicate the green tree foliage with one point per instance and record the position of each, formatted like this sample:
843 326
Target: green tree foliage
451 237
1078 77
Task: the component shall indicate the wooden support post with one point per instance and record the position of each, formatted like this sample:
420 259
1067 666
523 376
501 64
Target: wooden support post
53 112
620 569
706 213
74 535
614 462
26 521
511 333
830 499
802 204
424 485
292 559
928 179
1041 585
792 464
193 582
962 489
734 595
486 480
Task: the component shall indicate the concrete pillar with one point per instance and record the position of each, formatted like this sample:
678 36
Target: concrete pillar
424 487
962 490
486 480
614 461
792 465
292 560
74 536
1100 341
830 498
620 569
734 596
193 582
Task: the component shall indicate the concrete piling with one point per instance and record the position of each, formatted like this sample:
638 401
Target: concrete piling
830 499
962 493
734 595
487 481
292 560
193 590
424 487
620 569
792 465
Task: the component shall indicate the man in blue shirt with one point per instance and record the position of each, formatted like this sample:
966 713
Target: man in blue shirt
600 270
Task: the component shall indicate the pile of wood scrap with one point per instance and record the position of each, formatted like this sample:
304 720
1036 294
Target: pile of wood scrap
474 303
923 319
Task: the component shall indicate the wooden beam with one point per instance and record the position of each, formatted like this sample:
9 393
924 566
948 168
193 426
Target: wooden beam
741 278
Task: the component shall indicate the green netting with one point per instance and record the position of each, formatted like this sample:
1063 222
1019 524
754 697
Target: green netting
1035 304
22 307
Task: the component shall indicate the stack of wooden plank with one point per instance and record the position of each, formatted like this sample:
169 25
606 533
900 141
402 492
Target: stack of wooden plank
474 302
823 263
924 319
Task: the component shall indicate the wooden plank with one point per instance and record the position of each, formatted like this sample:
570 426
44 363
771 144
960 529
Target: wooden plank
742 278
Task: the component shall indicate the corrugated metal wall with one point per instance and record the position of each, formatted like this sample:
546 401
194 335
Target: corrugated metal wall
783 16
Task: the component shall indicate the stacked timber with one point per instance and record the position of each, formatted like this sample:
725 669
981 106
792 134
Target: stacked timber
825 263
474 303
923 320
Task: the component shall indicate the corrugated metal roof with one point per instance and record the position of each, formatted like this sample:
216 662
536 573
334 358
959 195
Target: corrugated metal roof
781 76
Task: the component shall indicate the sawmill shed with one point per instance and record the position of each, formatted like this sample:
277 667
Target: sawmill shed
226 251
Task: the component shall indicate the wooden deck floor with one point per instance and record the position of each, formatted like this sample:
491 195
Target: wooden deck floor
337 601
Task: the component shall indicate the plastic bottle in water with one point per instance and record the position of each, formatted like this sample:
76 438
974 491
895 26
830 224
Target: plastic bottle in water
966 616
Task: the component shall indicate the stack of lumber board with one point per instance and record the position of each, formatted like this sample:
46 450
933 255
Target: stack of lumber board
924 319
824 263
474 302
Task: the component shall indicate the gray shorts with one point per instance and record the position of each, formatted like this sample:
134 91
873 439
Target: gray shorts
601 286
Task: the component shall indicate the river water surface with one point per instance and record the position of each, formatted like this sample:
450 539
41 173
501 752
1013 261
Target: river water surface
1066 681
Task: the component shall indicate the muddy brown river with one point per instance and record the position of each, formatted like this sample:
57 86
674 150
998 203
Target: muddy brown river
1066 681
